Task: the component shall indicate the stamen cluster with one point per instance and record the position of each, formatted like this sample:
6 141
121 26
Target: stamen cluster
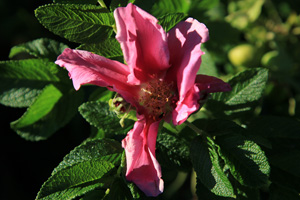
157 97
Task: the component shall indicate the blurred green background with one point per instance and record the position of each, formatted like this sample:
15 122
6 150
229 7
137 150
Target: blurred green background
243 34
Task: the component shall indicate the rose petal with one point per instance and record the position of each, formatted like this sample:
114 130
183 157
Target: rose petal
142 166
143 41
187 106
88 68
184 42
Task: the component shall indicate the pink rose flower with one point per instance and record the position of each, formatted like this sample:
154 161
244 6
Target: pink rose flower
160 81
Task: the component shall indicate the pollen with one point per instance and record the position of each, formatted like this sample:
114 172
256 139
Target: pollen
157 97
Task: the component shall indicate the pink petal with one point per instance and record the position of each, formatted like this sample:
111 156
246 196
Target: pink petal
142 166
184 42
186 106
211 84
88 68
190 103
143 41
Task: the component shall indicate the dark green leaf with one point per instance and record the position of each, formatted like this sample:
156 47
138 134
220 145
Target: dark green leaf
247 89
99 115
109 48
76 180
216 127
280 192
173 151
119 3
246 161
48 123
40 108
275 127
30 69
163 7
77 23
94 194
40 48
100 149
118 191
168 21
101 94
206 163
287 161
19 93
204 194
93 2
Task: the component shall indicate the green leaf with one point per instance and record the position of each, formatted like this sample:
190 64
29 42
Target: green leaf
173 152
101 94
287 161
99 115
76 180
29 69
168 21
99 149
109 48
275 127
48 121
77 23
40 48
19 93
119 3
247 162
205 194
23 80
93 2
215 127
94 194
279 192
247 88
206 163
163 7
118 191
41 107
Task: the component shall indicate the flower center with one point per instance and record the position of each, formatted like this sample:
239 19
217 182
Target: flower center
157 98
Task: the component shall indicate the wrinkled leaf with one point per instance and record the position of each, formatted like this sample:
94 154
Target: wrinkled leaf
40 48
99 115
247 88
168 21
48 123
76 180
206 163
77 23
246 161
100 149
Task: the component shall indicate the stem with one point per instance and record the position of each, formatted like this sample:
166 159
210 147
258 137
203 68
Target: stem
195 128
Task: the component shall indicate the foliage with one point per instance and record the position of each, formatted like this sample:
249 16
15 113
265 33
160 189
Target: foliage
243 144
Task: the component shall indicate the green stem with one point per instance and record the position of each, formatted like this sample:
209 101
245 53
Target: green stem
195 128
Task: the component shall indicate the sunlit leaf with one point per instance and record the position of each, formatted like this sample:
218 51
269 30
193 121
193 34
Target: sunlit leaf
77 23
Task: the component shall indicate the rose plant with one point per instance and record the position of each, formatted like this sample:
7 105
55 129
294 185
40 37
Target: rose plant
161 109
